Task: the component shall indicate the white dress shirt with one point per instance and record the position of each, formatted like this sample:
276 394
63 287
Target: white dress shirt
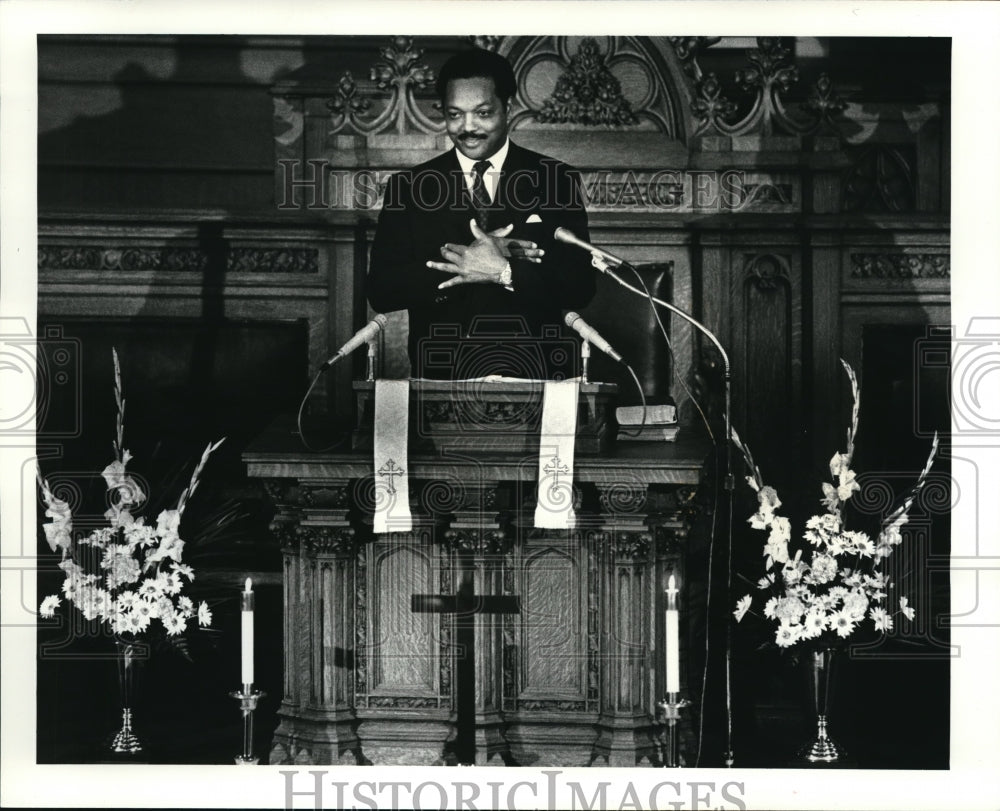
491 176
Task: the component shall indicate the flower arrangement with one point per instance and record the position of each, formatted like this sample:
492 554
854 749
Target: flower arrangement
834 585
129 575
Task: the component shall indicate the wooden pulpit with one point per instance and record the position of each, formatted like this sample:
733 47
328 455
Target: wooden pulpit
477 637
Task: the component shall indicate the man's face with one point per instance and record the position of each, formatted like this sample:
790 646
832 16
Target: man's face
475 116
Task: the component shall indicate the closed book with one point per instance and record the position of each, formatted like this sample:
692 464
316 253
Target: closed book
655 415
650 433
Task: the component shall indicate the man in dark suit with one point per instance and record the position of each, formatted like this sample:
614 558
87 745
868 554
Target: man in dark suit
465 241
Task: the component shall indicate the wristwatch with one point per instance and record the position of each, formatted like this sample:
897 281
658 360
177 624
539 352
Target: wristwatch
506 277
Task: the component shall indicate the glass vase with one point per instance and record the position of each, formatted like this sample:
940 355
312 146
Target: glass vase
125 741
821 667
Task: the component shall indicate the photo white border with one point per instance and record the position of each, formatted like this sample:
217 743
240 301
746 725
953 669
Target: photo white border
972 781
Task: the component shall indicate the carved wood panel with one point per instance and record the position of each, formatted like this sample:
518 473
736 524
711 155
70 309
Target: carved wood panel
766 292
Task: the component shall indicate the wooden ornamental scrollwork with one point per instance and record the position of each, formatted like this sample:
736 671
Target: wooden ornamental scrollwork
137 258
445 626
630 546
272 260
388 100
682 503
669 540
491 542
593 625
158 259
328 540
285 532
623 498
361 629
601 83
900 266
588 93
767 270
509 623
769 76
485 41
334 496
687 50
881 179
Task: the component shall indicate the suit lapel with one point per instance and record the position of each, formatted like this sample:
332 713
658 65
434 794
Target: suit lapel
518 186
459 204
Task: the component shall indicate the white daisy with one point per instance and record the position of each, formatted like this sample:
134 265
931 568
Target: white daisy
141 621
904 606
150 589
174 583
843 623
883 622
204 614
787 635
185 607
815 623
49 606
126 600
71 587
184 569
165 609
741 607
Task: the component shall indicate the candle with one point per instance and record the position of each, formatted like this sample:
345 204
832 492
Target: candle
673 639
246 661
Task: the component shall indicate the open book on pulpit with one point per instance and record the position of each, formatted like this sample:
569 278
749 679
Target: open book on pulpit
492 414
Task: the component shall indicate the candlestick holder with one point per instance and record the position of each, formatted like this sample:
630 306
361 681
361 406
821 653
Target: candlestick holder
248 698
584 359
371 361
668 713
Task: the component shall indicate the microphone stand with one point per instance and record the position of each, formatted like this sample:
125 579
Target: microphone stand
728 482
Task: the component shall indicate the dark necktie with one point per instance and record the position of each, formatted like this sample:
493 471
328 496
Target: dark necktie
480 198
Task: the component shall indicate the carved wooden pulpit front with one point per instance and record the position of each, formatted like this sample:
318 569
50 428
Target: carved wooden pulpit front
565 626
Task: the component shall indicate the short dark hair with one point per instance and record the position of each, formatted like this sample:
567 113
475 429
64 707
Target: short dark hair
477 63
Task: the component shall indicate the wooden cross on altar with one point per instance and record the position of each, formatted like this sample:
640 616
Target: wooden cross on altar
465 605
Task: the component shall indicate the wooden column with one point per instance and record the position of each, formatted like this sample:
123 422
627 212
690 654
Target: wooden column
317 716
625 736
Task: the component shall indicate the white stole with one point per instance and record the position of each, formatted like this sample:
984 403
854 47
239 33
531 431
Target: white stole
555 455
392 492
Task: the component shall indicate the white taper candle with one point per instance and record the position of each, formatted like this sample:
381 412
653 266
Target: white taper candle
246 660
673 639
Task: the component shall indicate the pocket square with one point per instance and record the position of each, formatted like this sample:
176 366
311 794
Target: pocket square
533 218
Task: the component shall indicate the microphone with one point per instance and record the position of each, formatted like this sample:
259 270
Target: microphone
588 333
567 236
362 336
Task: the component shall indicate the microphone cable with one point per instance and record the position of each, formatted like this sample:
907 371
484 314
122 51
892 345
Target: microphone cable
715 506
642 396
302 406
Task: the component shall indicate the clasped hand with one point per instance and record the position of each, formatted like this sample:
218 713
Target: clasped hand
485 259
